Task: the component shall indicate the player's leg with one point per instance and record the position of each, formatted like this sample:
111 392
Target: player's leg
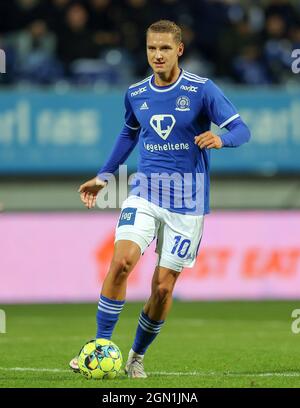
178 242
160 301
135 231
113 293
151 319
126 255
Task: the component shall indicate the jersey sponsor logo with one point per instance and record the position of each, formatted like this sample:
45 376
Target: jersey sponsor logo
144 106
182 103
139 91
127 216
165 146
163 125
189 88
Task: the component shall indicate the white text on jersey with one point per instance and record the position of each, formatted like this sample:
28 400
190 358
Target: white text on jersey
189 88
139 91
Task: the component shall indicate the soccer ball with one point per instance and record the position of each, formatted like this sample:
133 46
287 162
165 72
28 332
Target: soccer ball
100 359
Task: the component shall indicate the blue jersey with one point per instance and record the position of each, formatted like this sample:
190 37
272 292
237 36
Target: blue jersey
168 119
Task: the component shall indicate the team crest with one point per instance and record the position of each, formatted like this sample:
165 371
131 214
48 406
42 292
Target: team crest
182 103
163 125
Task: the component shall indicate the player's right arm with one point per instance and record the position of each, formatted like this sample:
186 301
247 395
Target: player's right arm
123 146
89 190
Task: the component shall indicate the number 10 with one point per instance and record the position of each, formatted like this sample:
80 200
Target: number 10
183 247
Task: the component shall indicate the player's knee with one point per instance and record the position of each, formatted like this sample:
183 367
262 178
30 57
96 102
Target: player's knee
121 268
162 292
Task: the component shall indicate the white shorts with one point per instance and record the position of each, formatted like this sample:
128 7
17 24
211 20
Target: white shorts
178 235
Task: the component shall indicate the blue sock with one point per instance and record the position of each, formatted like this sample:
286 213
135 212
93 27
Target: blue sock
146 332
107 316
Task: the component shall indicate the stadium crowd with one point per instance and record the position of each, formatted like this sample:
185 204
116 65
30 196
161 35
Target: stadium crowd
103 41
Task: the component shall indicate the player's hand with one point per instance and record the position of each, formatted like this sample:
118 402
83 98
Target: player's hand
209 140
89 190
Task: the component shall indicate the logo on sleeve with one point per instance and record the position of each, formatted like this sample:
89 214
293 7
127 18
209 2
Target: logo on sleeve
163 125
127 216
182 103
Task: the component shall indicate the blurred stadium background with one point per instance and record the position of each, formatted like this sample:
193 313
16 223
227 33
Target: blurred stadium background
68 64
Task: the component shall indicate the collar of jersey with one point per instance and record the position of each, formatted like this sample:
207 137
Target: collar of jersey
164 88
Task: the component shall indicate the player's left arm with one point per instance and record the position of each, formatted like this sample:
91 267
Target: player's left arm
237 134
223 113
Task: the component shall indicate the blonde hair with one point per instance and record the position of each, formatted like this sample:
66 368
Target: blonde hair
166 26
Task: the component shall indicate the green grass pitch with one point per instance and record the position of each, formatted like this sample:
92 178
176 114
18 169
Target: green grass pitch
203 344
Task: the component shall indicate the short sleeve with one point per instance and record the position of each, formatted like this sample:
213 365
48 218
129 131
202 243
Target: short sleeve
218 108
130 119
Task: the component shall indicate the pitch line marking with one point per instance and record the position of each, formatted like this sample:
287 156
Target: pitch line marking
168 373
39 370
225 374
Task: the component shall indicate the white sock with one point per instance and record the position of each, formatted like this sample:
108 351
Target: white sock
132 354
